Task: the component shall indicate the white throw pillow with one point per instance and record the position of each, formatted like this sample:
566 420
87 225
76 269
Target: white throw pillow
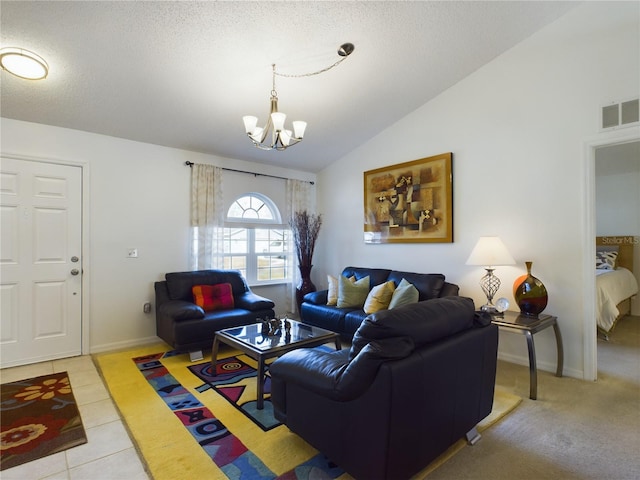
332 295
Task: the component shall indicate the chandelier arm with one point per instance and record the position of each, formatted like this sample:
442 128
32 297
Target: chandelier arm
262 147
268 126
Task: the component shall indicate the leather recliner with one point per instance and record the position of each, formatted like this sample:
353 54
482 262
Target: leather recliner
416 380
186 326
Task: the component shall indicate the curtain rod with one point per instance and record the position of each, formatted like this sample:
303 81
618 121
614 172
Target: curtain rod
190 164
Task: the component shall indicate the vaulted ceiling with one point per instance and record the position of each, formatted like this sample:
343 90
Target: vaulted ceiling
182 74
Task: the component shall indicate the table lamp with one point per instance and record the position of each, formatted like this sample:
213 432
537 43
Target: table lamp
490 252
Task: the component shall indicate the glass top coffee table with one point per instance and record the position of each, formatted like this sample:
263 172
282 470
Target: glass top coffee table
259 346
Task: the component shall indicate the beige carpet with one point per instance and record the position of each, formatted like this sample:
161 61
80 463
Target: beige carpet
575 430
503 404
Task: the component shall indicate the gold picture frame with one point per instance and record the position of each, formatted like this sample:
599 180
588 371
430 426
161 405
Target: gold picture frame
410 202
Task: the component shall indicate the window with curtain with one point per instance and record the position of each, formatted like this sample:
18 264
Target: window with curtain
255 242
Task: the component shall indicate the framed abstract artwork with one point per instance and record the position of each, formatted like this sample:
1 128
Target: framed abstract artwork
410 202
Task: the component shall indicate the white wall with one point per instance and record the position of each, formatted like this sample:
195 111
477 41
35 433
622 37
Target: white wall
138 196
517 129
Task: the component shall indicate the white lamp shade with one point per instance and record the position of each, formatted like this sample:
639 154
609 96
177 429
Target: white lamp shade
250 123
490 251
298 128
23 63
278 119
257 134
285 137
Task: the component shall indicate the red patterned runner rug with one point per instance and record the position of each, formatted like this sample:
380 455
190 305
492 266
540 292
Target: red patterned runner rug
38 417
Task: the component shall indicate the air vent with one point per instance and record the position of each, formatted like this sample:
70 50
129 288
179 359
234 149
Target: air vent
620 114
629 112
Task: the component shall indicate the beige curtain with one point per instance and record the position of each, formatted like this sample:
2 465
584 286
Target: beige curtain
298 198
207 217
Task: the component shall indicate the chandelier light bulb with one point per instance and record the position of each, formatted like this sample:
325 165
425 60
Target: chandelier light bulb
250 123
278 119
285 137
257 134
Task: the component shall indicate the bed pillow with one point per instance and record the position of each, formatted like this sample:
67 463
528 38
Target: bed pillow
606 260
379 297
332 295
404 294
213 297
352 294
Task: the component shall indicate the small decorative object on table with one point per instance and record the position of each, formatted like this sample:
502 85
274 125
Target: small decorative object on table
270 327
274 325
502 305
287 329
265 327
530 293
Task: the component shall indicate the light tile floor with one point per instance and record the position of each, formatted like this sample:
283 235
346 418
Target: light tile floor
109 453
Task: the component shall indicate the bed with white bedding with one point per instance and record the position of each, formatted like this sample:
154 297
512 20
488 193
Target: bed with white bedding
613 288
615 282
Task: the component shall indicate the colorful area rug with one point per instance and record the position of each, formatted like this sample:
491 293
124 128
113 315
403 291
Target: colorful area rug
39 417
189 424
235 381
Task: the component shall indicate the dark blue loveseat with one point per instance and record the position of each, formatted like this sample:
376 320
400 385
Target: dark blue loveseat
345 321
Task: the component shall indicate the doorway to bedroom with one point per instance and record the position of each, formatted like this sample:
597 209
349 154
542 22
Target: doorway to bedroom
617 228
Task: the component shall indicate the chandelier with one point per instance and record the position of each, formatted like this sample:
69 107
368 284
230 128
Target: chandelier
274 135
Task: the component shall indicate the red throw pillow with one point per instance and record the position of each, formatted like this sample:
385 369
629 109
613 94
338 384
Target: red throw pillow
213 297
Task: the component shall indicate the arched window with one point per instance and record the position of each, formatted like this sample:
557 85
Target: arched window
255 241
254 207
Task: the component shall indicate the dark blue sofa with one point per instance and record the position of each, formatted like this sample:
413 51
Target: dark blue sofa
345 321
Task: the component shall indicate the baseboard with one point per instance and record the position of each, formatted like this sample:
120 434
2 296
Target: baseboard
542 366
138 342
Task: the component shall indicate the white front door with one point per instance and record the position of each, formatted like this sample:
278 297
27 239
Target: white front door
40 261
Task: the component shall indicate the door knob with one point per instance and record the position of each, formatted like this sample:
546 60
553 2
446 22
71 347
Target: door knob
75 271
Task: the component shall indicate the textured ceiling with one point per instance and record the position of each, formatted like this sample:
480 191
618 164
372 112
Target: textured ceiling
182 74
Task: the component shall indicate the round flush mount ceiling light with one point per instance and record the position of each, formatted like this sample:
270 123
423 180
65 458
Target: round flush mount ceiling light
23 63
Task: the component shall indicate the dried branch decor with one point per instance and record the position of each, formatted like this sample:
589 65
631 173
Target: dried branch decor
305 227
